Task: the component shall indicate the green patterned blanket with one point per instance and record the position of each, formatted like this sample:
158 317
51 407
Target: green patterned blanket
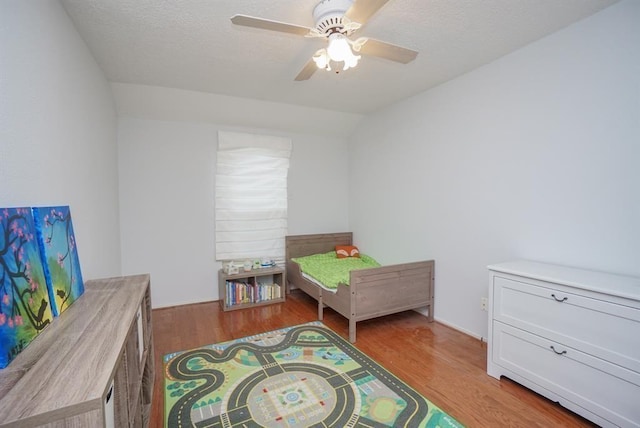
329 270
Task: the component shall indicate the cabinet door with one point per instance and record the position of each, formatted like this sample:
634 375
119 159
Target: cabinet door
594 385
610 331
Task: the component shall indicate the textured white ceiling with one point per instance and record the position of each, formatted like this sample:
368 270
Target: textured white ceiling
191 44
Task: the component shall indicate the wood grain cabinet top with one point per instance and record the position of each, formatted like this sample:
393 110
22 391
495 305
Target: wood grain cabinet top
63 377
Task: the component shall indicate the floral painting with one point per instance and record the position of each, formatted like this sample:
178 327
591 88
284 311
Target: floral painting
60 256
24 300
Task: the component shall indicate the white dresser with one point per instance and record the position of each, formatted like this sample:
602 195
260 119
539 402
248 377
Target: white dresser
571 335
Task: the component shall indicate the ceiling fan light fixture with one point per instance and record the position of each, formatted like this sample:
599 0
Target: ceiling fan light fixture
322 60
351 62
339 50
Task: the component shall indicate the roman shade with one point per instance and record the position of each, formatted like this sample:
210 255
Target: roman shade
251 196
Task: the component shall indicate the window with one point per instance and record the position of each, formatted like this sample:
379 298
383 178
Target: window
251 196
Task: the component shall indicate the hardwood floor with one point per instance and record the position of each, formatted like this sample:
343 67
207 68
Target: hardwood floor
444 365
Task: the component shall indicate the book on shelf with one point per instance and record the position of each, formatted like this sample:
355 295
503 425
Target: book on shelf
239 292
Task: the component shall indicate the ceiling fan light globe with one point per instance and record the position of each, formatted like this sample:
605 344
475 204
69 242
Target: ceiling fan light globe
351 62
339 48
321 59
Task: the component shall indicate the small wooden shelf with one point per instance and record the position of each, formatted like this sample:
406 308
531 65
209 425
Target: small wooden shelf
251 277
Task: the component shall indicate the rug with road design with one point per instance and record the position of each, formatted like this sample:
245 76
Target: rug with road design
299 376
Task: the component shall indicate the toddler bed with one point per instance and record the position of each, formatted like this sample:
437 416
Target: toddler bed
371 292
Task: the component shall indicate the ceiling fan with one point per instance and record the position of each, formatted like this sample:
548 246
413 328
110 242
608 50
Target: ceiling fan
336 21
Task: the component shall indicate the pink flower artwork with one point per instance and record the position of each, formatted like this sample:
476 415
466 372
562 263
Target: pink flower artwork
25 308
59 249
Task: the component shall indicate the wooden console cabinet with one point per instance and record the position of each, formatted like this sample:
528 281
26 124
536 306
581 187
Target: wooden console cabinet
98 350
571 335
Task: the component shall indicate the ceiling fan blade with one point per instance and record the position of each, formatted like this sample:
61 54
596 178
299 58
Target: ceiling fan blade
388 51
362 10
267 24
307 71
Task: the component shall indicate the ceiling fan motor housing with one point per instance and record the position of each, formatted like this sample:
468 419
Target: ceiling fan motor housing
328 15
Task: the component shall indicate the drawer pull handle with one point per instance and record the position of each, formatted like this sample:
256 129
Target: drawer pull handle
559 353
564 299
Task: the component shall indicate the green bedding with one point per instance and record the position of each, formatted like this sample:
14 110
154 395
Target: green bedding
328 269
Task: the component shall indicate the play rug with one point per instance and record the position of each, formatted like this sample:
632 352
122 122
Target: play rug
299 376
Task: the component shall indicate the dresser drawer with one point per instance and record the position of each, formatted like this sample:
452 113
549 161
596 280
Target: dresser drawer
590 383
601 328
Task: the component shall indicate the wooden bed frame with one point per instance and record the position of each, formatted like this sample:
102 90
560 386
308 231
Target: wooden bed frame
372 292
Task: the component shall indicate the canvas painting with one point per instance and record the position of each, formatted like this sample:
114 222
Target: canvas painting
24 299
60 256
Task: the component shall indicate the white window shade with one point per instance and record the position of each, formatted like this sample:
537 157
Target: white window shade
251 196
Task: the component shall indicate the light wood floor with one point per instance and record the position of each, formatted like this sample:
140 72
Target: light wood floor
444 365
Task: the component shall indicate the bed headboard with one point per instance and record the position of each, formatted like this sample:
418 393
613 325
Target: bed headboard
305 245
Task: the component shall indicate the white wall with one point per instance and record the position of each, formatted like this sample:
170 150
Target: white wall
58 128
166 207
533 156
167 190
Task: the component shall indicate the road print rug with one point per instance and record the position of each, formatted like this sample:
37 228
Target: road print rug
300 376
